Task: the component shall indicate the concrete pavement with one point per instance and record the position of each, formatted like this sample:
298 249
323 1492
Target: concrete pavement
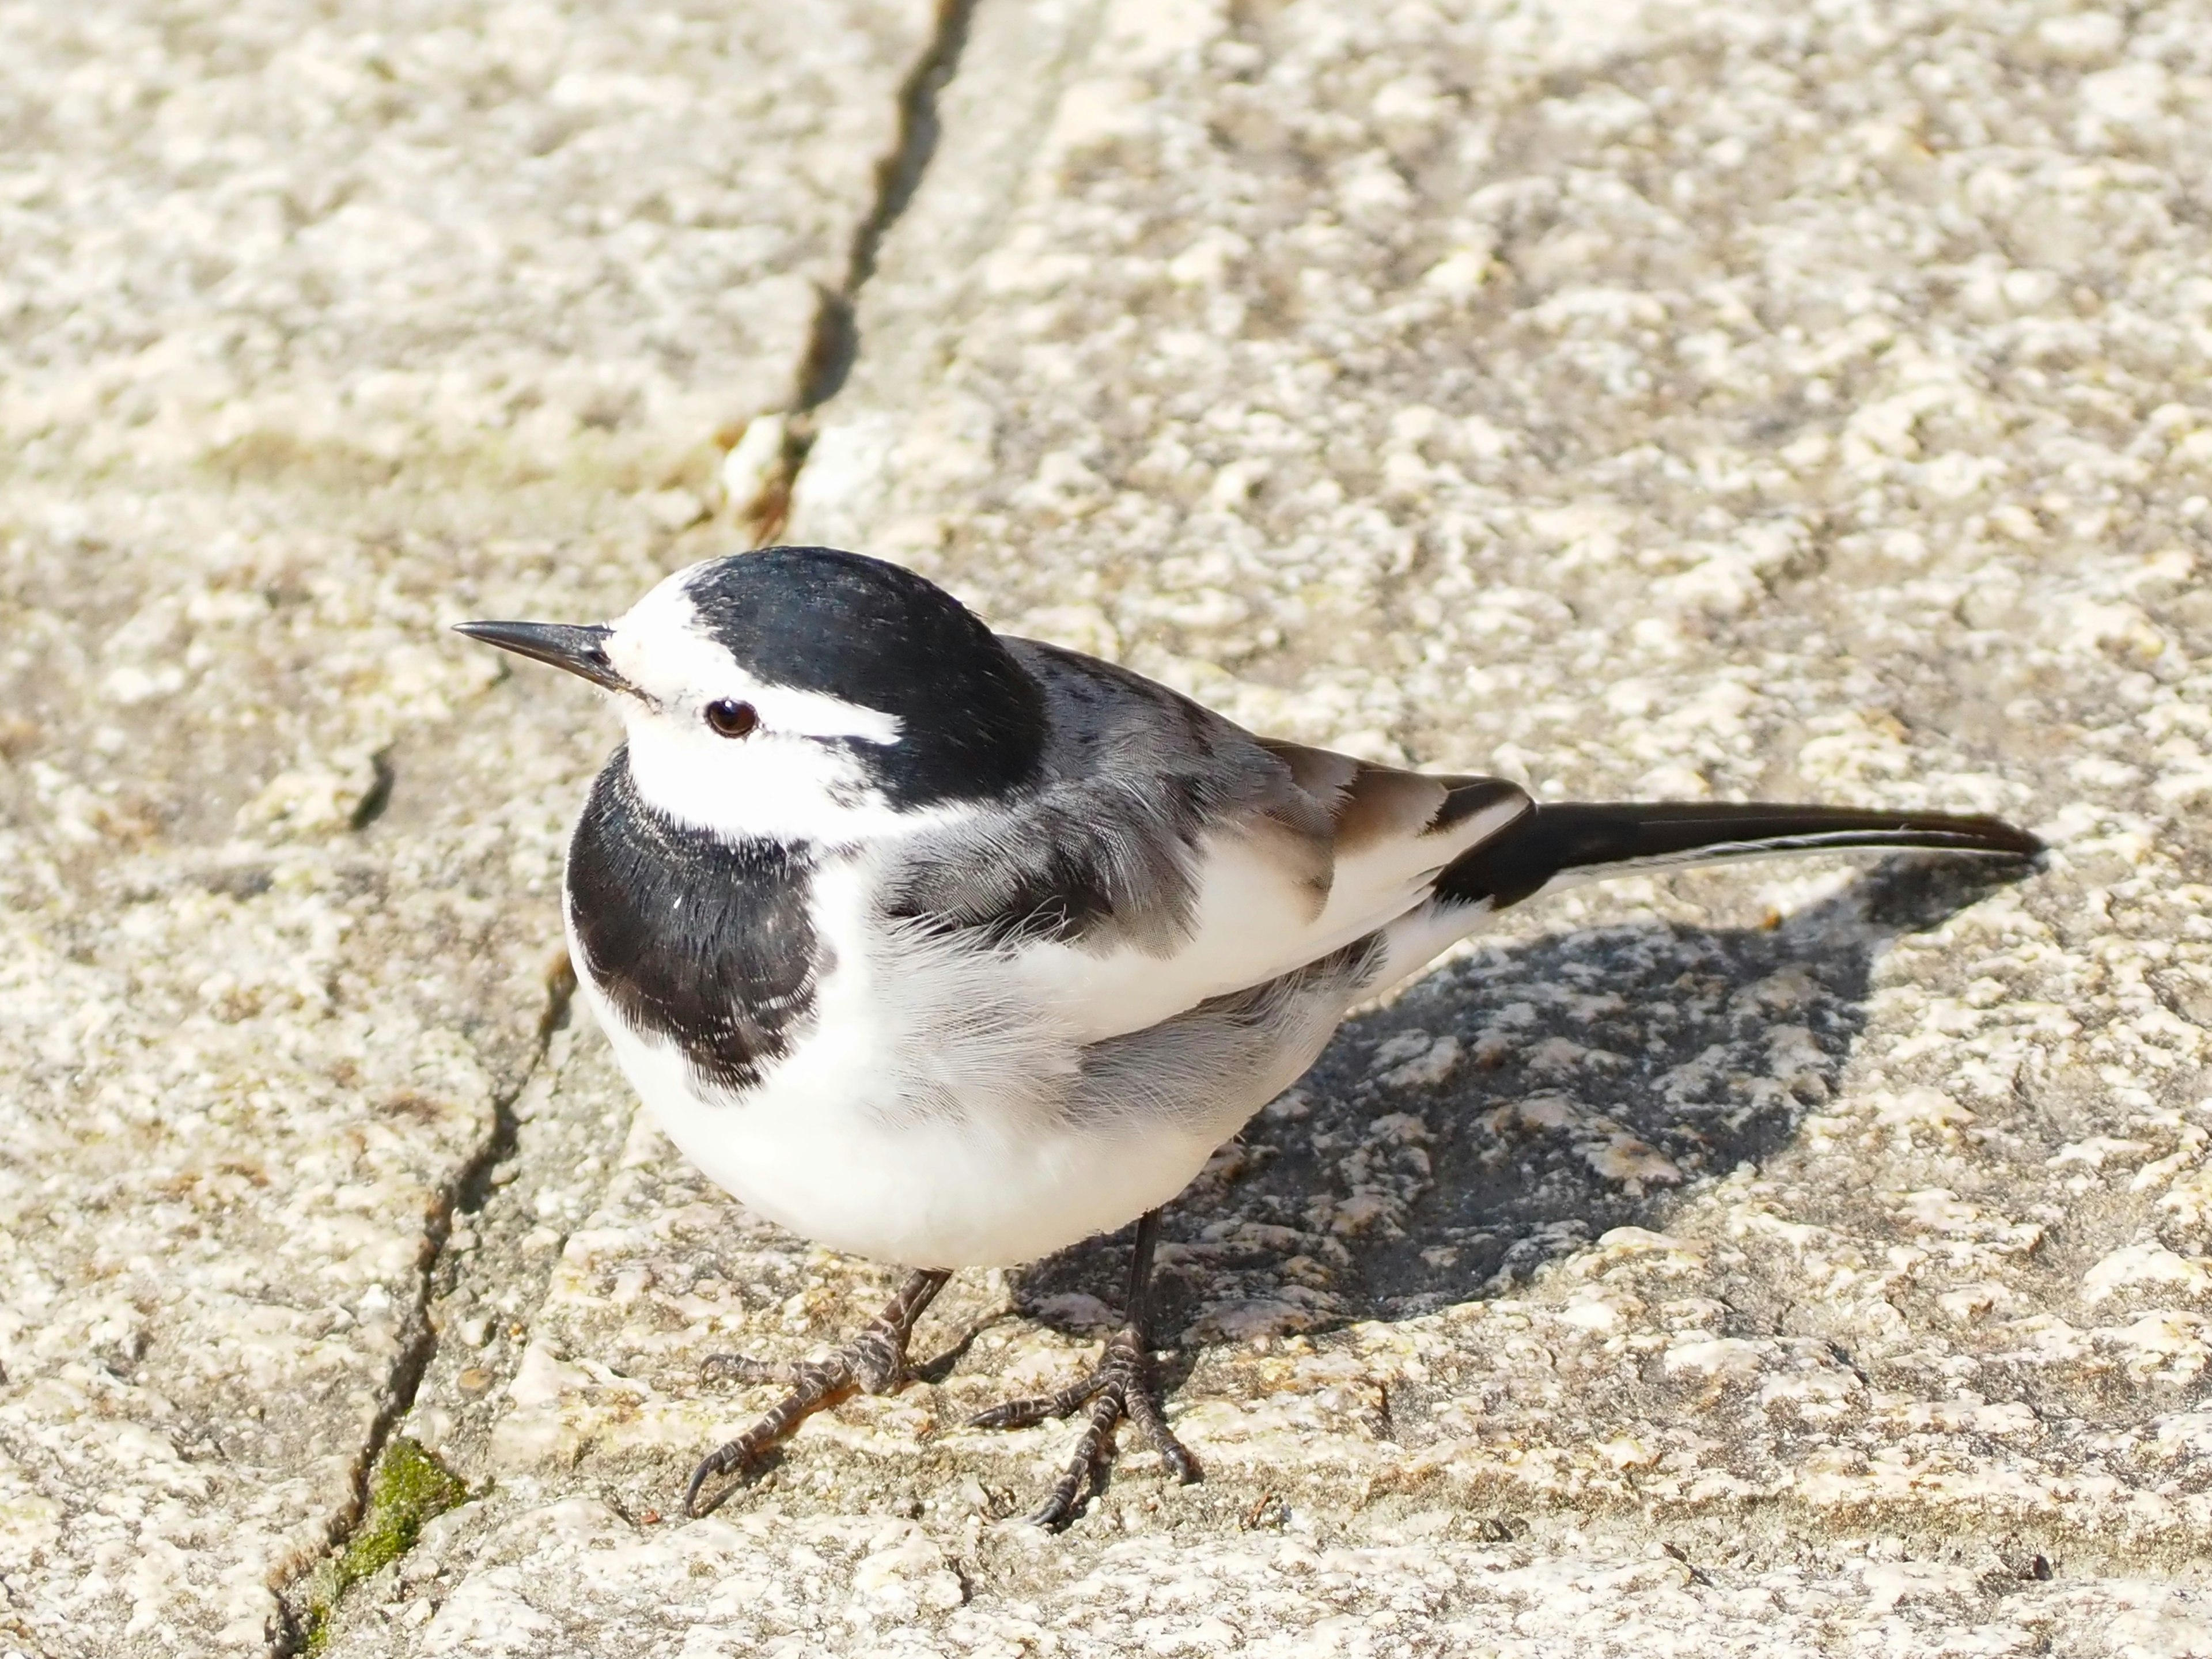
1631 398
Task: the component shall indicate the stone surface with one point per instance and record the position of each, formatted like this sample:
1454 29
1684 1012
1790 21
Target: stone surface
318 333
515 239
578 1576
1632 398
1649 400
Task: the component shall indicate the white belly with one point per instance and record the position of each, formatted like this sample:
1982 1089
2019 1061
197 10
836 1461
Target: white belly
812 1153
934 1111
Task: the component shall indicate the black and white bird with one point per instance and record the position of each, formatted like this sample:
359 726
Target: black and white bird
951 949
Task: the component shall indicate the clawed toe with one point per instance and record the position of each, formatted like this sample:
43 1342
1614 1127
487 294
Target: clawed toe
721 1459
814 1386
1143 1406
1120 1387
1028 1414
874 1360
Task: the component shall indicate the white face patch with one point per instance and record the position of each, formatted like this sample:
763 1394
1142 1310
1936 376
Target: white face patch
791 777
660 647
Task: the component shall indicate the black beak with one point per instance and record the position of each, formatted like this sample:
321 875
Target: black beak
582 651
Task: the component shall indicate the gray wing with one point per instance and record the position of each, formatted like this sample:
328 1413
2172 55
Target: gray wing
1167 856
1106 850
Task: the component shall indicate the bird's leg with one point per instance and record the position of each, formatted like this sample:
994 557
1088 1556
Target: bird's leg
1122 1386
874 1362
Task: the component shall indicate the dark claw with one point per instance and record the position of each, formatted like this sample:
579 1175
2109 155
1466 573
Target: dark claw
712 1464
1144 1412
826 1385
1081 1475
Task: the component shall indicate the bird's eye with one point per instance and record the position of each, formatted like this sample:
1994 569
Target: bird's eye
732 719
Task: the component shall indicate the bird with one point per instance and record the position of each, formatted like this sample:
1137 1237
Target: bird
951 949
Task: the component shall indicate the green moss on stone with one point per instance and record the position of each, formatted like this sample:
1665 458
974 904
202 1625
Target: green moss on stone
407 1487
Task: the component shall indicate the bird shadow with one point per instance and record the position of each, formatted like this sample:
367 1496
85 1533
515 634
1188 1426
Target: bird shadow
1511 1107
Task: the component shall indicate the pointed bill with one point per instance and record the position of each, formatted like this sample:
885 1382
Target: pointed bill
580 649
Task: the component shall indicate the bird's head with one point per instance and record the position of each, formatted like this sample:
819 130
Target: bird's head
801 693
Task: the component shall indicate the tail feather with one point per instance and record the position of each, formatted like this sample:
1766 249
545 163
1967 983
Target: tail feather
1601 837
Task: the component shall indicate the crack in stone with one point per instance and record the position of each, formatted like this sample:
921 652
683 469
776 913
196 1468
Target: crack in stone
465 1193
378 797
833 344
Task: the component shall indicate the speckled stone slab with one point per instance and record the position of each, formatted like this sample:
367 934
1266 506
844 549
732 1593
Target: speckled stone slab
1632 399
1659 399
320 331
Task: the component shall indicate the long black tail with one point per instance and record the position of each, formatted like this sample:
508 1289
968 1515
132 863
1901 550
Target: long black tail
1596 837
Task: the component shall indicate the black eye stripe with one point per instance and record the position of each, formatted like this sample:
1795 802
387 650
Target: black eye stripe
731 719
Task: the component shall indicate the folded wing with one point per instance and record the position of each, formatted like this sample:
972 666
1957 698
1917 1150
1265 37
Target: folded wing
1169 856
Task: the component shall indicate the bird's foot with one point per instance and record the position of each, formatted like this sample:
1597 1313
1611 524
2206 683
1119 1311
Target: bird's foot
1122 1386
873 1362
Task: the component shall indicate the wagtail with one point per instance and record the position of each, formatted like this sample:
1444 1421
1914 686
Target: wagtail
951 949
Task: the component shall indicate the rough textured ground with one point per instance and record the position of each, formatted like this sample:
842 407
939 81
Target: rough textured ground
1655 399
318 332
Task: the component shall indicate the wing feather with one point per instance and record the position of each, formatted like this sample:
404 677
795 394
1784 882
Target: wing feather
1168 857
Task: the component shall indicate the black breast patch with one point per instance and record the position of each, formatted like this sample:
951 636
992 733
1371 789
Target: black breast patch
704 941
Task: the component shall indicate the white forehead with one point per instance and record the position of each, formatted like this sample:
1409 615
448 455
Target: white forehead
661 645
